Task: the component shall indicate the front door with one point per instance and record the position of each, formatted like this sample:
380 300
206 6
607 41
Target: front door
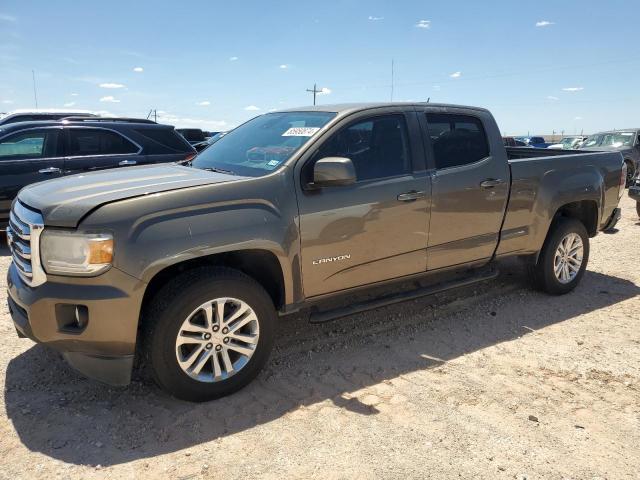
27 157
375 229
470 188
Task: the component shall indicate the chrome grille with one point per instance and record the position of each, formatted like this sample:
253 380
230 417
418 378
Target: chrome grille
23 237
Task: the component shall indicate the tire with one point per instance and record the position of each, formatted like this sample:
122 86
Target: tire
180 301
631 173
543 272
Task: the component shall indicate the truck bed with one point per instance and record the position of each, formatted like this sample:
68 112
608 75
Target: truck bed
515 153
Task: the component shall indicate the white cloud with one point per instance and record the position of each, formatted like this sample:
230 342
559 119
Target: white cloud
544 23
186 122
74 94
69 104
456 75
375 19
7 102
8 18
111 85
110 99
551 97
252 108
573 89
324 91
284 66
436 87
424 24
204 103
577 118
233 59
138 69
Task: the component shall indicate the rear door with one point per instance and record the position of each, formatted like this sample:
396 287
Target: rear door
27 157
91 148
470 186
375 229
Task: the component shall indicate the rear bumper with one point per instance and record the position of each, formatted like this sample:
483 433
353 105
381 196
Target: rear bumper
99 339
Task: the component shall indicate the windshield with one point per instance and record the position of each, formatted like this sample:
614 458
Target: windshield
611 139
262 144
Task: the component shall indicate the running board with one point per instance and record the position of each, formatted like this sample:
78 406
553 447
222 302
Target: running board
319 316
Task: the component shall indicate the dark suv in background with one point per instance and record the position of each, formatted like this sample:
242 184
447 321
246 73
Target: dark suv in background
626 141
35 151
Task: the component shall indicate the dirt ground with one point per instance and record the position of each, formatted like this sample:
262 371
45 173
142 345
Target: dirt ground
492 382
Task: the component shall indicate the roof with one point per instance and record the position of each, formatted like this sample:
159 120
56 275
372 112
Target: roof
98 122
617 130
343 108
22 111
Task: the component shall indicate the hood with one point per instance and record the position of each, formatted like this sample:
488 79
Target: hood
65 201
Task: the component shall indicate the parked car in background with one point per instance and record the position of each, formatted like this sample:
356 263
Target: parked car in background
291 210
634 191
209 141
513 142
625 141
35 151
192 135
569 143
536 142
42 114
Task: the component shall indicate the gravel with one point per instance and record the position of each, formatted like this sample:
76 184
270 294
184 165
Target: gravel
495 381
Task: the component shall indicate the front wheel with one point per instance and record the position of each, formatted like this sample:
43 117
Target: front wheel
563 258
208 333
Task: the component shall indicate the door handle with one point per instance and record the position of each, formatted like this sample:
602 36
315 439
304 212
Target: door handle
127 163
410 196
491 182
50 170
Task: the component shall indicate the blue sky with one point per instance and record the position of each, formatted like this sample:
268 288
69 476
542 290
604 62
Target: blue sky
539 66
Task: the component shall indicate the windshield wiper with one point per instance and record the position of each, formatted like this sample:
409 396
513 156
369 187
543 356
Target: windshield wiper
219 170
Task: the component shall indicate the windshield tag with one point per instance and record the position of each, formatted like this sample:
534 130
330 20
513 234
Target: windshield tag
300 132
273 163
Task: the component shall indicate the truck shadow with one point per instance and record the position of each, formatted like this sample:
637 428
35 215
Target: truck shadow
59 414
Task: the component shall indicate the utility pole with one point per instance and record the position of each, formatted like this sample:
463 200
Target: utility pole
35 94
315 91
392 79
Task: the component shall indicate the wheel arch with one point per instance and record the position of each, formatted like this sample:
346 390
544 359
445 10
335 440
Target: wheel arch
261 265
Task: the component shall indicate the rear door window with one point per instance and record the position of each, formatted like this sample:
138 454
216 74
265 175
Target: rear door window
90 141
456 139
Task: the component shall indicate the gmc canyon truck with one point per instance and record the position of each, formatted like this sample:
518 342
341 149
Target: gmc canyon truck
188 267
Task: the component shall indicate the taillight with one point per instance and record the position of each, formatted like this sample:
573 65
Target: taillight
190 156
623 179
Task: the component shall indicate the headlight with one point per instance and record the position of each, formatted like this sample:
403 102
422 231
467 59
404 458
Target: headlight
73 253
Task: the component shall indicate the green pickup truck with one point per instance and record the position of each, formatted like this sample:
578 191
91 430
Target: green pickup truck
189 267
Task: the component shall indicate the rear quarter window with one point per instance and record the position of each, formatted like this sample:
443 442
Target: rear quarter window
164 140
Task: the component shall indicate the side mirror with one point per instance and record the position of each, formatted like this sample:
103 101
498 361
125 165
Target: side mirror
333 172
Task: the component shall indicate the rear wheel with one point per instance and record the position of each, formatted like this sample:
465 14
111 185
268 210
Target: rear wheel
563 258
208 333
630 174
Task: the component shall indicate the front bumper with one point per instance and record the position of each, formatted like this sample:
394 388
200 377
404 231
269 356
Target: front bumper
92 321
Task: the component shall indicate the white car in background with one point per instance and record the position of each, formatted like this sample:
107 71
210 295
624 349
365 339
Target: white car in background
569 143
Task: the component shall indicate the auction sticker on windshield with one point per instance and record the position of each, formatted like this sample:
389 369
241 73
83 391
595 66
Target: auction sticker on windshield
300 132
